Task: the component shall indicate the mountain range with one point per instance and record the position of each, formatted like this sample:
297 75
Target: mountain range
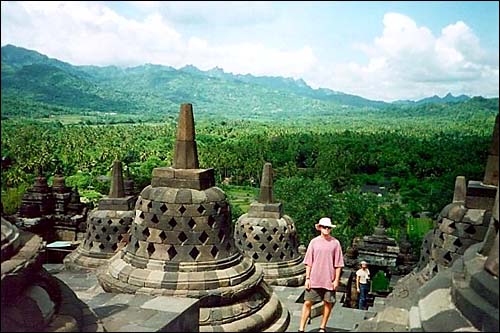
33 80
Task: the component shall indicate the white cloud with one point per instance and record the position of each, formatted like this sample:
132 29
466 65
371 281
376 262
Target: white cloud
406 61
409 62
91 33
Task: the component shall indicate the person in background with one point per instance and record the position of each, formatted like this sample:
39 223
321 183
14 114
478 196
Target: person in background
324 262
362 285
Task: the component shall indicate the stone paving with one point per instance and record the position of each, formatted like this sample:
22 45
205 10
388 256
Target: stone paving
127 312
111 308
342 319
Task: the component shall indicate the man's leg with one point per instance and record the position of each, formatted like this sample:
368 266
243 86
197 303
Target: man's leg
327 309
306 311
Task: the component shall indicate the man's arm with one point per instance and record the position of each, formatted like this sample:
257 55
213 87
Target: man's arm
357 283
308 276
336 282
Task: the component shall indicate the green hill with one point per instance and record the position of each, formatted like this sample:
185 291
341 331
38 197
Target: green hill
35 85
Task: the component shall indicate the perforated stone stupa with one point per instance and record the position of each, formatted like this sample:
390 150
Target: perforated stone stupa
181 244
269 237
465 221
106 226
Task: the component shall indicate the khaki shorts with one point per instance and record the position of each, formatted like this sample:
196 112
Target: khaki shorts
320 294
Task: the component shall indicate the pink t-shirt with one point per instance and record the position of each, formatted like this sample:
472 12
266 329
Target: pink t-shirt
323 256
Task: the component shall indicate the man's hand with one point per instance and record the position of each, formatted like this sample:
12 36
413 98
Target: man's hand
358 290
307 284
335 284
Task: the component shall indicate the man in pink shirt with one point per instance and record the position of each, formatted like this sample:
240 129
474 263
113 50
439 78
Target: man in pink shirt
324 262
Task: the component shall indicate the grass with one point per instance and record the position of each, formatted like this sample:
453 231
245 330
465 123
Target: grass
241 196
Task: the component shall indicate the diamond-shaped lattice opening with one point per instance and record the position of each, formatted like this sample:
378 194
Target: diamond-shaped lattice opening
441 236
155 219
250 245
447 256
114 247
191 223
93 227
139 203
103 229
245 235
211 221
214 251
264 230
255 256
99 221
121 221
470 230
91 244
269 257
240 242
203 237
457 242
119 238
162 236
108 238
262 247
256 237
269 238
171 252
172 222
250 228
136 246
194 253
97 237
281 237
182 209
150 204
287 245
282 255
109 222
217 208
182 237
115 229
275 247
146 233
141 215
151 249
163 208
101 246
275 229
201 209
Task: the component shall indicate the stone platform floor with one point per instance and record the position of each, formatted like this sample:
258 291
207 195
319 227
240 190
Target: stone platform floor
85 285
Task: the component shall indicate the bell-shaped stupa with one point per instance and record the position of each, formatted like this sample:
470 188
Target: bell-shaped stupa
106 226
181 244
269 237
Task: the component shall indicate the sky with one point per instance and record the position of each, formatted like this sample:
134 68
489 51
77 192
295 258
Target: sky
384 50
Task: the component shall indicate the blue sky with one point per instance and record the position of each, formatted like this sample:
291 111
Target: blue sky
378 50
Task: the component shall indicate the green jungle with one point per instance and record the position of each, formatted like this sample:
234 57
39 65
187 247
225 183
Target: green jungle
328 149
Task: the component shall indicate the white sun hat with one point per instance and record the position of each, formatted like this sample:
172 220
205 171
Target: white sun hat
326 222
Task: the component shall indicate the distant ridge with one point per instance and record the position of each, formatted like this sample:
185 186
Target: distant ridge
449 98
31 79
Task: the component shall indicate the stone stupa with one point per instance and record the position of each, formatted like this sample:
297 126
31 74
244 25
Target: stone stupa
181 244
33 300
465 221
270 238
106 226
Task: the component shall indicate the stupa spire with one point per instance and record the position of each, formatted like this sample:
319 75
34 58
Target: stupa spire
117 189
186 154
266 184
